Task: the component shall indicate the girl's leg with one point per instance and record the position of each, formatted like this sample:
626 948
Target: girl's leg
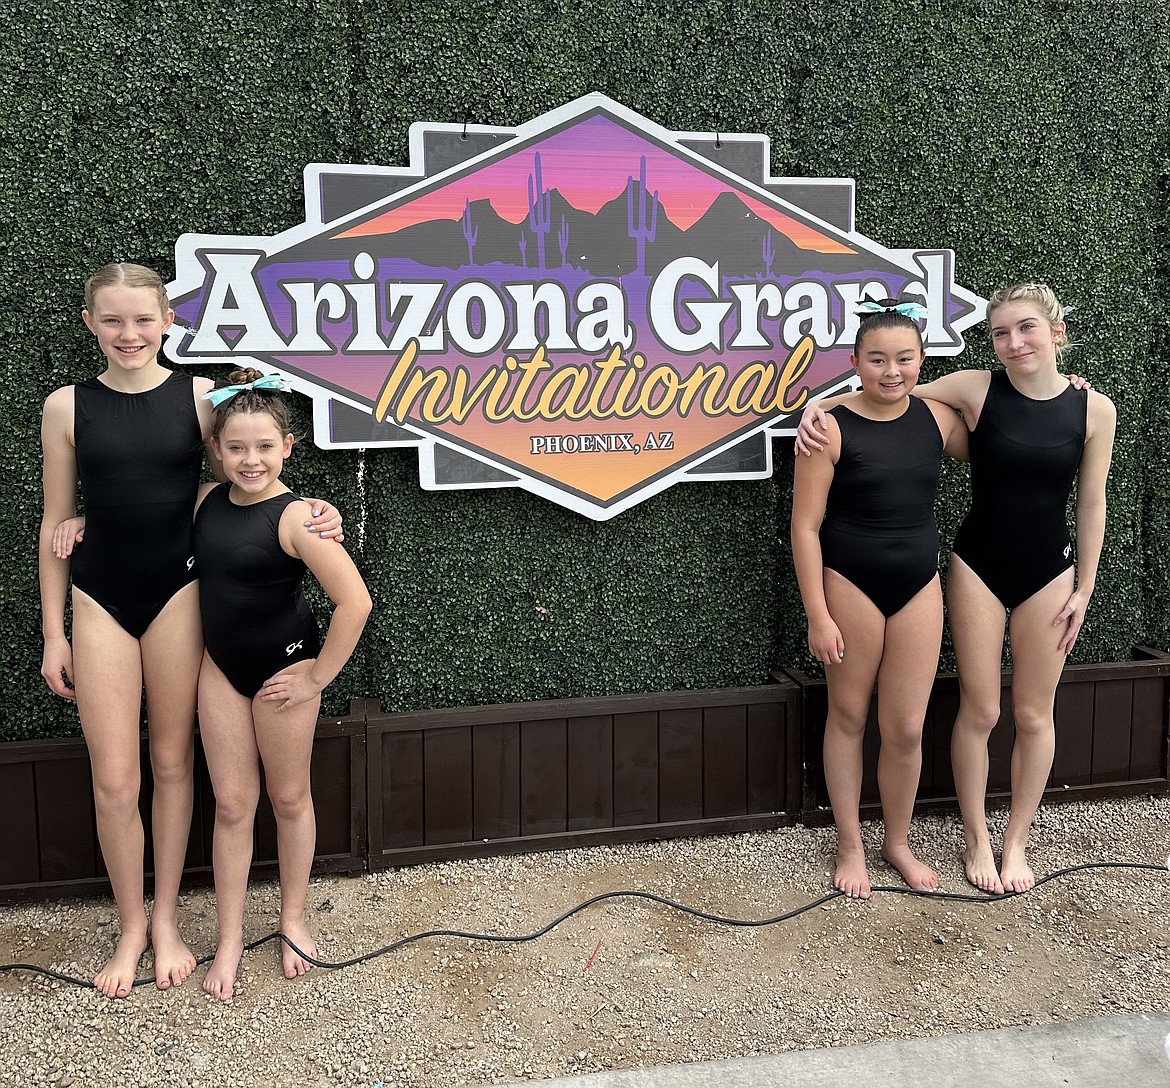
171 651
285 739
850 685
107 672
910 661
1036 668
229 743
977 627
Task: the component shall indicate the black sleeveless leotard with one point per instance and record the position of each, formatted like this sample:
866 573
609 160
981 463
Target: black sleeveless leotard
879 529
139 456
255 620
1025 455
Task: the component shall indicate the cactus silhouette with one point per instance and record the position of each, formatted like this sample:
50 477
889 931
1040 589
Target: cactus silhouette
638 229
539 211
469 235
768 255
523 249
563 241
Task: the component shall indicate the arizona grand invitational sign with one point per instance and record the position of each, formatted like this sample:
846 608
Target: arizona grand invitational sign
588 306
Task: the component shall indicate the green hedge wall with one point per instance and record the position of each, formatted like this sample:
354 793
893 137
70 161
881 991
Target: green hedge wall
1030 139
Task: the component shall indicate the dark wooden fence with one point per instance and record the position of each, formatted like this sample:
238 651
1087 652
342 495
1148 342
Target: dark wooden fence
1112 733
48 842
396 789
539 776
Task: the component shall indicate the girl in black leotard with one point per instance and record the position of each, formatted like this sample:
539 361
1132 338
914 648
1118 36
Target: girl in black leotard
134 435
1031 436
264 670
866 552
1013 565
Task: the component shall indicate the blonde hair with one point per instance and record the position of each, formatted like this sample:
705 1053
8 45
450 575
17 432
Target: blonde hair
1043 298
128 275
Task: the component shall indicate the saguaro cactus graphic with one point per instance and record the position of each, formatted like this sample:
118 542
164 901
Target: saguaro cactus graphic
637 228
563 241
469 234
539 210
523 249
768 254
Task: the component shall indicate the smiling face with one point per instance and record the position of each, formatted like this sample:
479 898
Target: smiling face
888 362
253 452
1023 338
129 325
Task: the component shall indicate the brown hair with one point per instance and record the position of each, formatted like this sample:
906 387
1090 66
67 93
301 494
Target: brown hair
1043 298
251 401
130 275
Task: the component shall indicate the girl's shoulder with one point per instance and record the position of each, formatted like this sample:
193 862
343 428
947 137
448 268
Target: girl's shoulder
203 409
941 411
59 407
62 395
1100 415
1098 402
293 519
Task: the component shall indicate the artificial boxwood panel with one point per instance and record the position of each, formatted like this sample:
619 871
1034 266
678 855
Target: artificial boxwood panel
1031 140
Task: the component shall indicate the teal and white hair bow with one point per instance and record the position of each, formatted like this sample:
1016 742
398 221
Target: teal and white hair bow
270 382
912 310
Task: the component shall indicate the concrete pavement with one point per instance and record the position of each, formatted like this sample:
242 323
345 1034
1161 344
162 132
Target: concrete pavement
1131 1051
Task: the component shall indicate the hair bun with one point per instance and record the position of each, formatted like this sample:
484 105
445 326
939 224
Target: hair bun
244 376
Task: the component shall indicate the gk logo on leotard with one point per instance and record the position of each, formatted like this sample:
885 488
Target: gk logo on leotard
1067 550
191 562
292 647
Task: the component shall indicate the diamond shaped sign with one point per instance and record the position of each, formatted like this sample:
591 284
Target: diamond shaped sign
588 306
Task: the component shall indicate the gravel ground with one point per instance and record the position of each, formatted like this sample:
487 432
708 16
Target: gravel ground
625 982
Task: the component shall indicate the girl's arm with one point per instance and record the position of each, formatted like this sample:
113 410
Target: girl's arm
1094 472
813 428
964 391
955 436
335 570
204 491
59 481
810 492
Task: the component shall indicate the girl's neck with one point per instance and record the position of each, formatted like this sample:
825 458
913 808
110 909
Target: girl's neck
238 497
139 380
879 410
1042 384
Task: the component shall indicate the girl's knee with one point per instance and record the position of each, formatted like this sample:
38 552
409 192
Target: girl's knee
119 796
116 788
978 717
1033 721
903 738
236 806
290 804
173 770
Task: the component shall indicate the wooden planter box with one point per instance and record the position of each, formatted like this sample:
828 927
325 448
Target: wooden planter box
547 775
1112 733
50 847
398 789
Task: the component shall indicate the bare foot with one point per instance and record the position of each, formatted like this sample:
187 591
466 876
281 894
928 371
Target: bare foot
1016 872
920 877
297 932
116 978
220 980
851 876
173 960
979 865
